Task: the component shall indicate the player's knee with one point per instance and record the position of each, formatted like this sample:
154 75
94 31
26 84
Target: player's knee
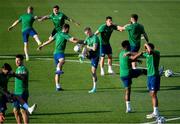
23 111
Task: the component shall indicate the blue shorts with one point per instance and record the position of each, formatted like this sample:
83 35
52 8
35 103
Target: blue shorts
94 61
24 96
26 34
127 81
105 50
135 48
153 83
58 56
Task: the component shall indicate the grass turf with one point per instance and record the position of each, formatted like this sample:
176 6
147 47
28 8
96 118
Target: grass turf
161 20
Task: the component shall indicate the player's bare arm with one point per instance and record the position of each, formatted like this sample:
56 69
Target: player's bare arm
13 25
44 18
72 20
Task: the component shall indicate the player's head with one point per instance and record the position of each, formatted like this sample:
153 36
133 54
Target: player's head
19 59
88 31
151 46
6 68
66 28
125 45
109 21
30 9
55 9
134 18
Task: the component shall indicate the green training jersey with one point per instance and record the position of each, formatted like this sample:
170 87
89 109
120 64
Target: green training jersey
90 41
125 64
27 21
3 85
21 85
58 20
105 33
134 31
152 63
61 39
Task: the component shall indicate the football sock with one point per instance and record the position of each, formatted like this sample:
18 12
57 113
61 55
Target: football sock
58 85
155 110
128 106
109 67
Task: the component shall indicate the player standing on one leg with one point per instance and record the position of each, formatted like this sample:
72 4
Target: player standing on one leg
58 19
105 32
27 29
135 30
126 71
21 90
61 39
91 50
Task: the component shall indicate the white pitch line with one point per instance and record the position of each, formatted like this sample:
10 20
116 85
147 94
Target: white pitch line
167 120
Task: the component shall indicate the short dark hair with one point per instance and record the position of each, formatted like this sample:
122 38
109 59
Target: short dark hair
134 16
65 26
151 45
20 56
108 17
6 66
125 44
56 6
30 7
87 29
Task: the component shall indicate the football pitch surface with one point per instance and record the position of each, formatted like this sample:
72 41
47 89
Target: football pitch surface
161 20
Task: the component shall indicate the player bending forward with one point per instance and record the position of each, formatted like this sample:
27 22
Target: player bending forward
27 20
61 39
91 51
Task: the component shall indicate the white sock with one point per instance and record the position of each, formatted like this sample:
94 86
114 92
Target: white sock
102 68
155 110
94 85
128 106
57 68
25 105
37 40
58 85
109 67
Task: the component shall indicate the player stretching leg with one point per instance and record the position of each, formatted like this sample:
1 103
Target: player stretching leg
61 39
91 51
27 29
105 32
126 71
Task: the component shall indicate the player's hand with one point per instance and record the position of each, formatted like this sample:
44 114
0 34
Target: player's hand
10 28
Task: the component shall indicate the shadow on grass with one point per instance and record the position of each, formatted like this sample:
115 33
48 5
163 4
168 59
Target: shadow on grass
70 113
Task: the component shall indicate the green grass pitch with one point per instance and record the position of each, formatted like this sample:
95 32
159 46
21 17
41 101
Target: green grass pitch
161 20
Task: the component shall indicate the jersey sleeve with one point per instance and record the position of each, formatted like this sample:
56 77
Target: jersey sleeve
96 40
101 28
50 16
145 54
129 27
67 36
23 71
65 17
114 27
20 18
